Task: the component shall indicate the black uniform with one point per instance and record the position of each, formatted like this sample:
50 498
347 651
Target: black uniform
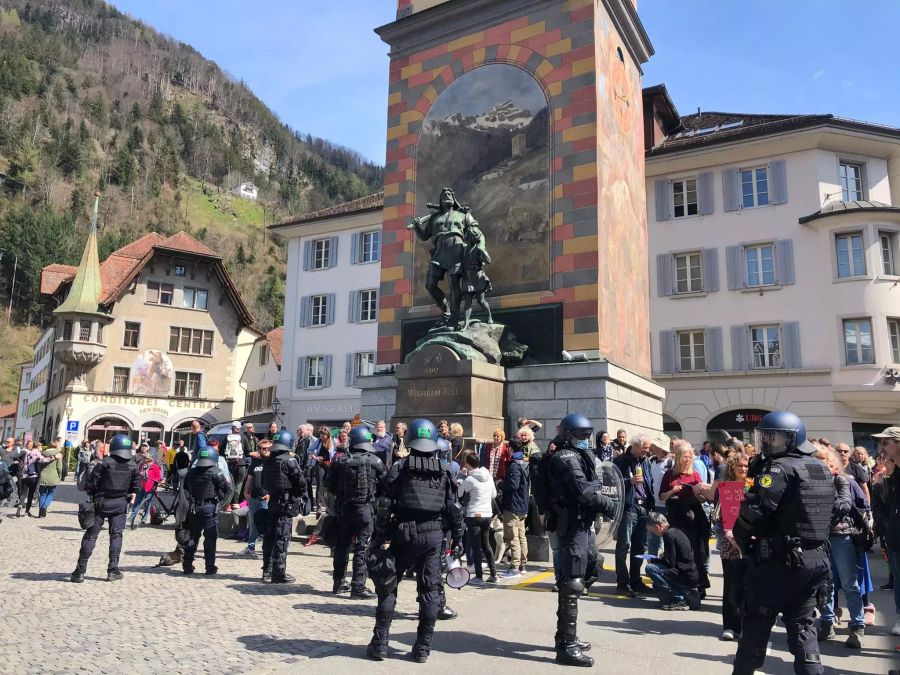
788 510
110 483
206 487
354 479
577 500
423 504
284 481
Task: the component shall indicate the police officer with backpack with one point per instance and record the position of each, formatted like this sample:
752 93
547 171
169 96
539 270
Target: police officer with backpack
566 488
419 502
355 479
283 479
206 487
113 484
783 526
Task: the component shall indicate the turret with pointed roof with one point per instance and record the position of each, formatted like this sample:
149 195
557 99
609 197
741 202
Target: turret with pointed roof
84 295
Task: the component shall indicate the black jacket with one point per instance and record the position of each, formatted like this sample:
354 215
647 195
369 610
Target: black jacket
678 555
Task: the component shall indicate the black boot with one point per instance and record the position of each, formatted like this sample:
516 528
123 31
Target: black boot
361 594
42 512
422 648
889 586
77 577
583 646
568 650
446 614
340 587
267 576
377 649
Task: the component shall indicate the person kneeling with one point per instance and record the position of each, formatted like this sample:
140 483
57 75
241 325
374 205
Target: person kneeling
675 574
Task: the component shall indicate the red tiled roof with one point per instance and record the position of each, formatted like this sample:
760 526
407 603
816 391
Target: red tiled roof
140 247
275 338
53 276
367 203
8 411
182 241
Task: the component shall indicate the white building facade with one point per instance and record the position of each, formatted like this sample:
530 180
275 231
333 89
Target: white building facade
40 382
774 272
331 310
23 419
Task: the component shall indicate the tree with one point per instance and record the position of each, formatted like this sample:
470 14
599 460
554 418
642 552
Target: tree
270 299
156 109
124 167
135 112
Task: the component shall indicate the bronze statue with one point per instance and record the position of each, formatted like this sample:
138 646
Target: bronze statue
449 227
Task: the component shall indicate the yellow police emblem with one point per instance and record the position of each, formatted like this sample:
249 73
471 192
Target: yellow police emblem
765 481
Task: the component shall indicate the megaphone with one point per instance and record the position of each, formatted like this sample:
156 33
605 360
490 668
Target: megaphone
457 575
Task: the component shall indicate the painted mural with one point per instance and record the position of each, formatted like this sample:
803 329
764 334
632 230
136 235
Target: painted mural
151 374
487 137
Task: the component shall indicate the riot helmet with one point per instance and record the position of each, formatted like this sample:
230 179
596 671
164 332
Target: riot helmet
121 446
422 436
780 432
576 431
361 438
282 441
443 449
207 456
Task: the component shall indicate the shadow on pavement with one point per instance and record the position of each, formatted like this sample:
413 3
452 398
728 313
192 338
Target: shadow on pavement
648 626
305 647
359 608
42 576
59 528
782 660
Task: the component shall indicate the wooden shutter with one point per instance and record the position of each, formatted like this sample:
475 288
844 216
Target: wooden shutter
713 340
304 311
734 263
307 256
354 248
740 348
353 312
710 258
665 274
784 261
731 184
326 379
663 207
350 375
302 372
667 351
333 252
778 192
790 346
329 310
706 203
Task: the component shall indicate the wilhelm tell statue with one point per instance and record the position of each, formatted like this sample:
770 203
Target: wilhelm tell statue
459 253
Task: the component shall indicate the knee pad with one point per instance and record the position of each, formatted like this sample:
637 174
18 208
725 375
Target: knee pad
572 587
810 658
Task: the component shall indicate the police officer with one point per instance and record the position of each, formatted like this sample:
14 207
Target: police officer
355 479
284 481
575 493
445 613
113 485
418 504
206 486
784 524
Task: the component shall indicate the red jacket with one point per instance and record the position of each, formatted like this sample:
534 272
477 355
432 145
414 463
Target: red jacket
151 478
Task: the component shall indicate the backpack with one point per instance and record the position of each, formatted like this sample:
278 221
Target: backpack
233 447
539 477
7 487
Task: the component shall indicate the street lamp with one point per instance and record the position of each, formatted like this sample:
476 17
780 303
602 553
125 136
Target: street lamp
276 410
68 410
105 431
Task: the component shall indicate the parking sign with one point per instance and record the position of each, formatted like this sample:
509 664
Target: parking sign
72 425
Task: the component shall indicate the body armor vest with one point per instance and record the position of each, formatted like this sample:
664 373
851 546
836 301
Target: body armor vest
117 477
274 476
423 489
357 480
805 512
200 484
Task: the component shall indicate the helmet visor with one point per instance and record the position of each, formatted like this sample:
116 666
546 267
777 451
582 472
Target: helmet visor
774 442
581 434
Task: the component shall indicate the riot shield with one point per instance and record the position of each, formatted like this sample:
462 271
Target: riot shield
8 504
611 485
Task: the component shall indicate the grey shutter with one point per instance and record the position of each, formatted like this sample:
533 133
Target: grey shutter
778 193
790 346
307 256
354 248
784 261
734 262
350 375
663 207
333 252
326 379
665 274
302 372
713 341
329 310
353 313
710 270
731 182
705 198
304 311
740 348
667 353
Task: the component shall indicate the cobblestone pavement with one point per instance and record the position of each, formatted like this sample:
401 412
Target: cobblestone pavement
157 620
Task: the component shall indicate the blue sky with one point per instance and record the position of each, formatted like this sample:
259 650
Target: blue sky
320 67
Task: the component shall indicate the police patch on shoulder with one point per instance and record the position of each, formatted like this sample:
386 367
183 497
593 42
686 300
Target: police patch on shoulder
765 481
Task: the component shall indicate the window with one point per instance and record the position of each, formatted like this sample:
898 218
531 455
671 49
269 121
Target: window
691 350
100 333
190 341
858 341
160 294
319 316
132 335
187 385
754 187
688 273
315 376
851 181
365 364
263 355
684 197
760 263
766 344
195 298
369 249
368 303
179 270
321 252
84 331
888 241
894 331
120 380
67 330
851 260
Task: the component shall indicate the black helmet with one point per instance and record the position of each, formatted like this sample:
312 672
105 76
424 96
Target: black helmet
779 432
207 456
121 446
282 441
574 428
443 449
361 438
422 436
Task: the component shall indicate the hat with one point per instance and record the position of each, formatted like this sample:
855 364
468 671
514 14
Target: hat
661 441
235 424
890 432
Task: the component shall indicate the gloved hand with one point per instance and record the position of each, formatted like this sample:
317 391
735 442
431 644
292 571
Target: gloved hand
607 507
457 550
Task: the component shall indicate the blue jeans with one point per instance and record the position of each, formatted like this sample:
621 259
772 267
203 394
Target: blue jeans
669 590
843 566
255 504
632 538
142 499
894 561
46 493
